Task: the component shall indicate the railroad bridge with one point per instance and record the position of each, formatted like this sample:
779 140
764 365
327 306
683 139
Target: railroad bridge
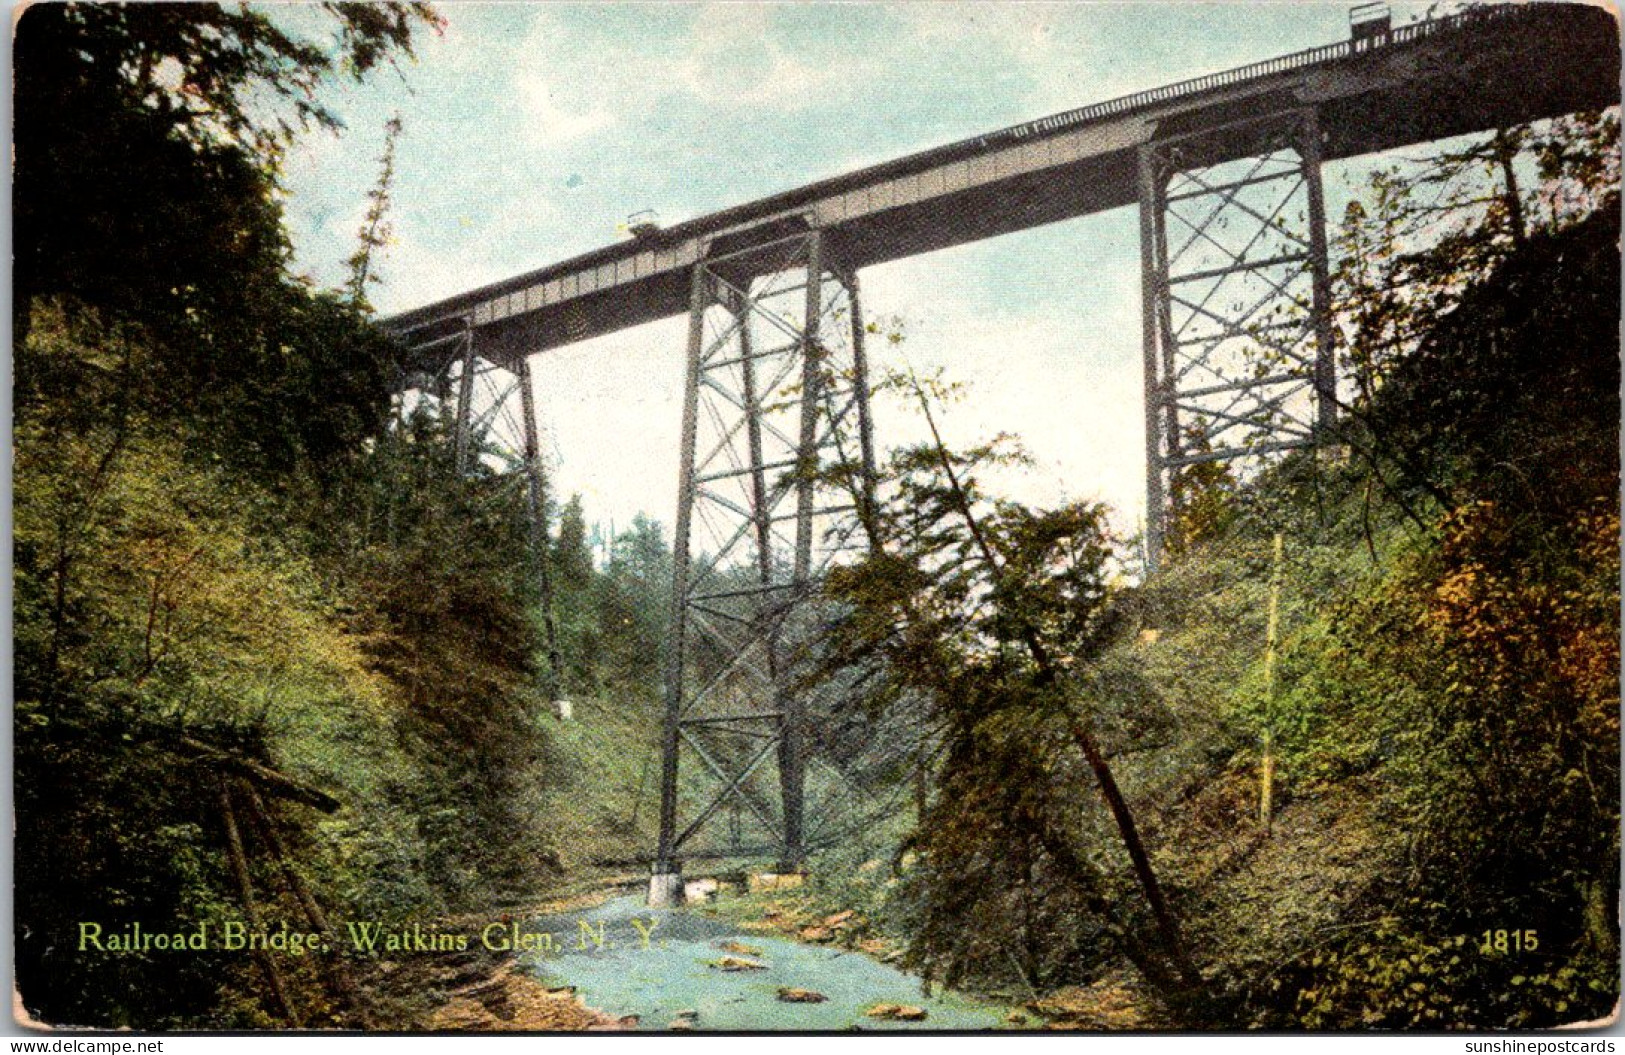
1237 337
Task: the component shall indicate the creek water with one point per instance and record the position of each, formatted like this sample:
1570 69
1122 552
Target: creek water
625 958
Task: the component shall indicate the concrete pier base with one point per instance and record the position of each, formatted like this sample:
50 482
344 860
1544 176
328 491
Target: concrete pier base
666 890
699 891
774 880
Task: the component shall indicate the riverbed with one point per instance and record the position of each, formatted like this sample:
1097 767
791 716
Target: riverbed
662 966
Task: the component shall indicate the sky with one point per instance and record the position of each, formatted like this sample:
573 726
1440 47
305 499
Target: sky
532 131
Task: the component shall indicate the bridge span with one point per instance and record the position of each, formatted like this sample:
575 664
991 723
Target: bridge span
1431 80
1239 359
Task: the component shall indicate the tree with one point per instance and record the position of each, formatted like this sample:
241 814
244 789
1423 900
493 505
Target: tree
1431 228
147 149
1203 498
1474 666
574 584
571 557
149 611
633 602
144 129
375 227
990 608
1430 232
212 542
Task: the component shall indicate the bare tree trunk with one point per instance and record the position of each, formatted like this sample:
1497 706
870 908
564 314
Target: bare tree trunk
1266 788
1506 151
342 979
245 888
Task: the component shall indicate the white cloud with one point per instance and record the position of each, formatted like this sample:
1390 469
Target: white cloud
552 123
734 60
573 86
568 88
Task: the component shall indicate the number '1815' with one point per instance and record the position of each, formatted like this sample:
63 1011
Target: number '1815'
1509 941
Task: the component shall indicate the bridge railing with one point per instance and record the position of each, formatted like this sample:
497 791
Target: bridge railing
1283 64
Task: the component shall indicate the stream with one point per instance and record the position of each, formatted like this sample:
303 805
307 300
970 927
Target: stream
625 958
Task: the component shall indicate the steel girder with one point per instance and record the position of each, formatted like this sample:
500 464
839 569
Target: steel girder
776 457
481 402
1239 359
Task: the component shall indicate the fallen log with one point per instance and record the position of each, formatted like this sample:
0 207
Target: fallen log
270 780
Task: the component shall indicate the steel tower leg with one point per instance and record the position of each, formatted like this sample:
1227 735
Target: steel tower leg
465 404
791 775
774 415
488 405
761 516
666 884
1151 296
536 494
1238 341
1325 343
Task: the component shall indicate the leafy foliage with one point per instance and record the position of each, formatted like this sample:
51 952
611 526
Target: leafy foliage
1444 707
1476 668
149 611
223 553
980 608
221 539
146 145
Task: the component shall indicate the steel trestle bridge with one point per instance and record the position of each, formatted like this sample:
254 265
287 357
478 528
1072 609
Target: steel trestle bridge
777 452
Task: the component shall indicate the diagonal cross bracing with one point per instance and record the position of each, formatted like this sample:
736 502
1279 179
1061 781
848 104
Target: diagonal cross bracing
1233 370
775 431
1238 356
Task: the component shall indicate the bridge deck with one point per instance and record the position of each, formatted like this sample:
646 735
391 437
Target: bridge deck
1488 68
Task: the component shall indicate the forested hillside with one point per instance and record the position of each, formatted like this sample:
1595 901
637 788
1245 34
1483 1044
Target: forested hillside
227 565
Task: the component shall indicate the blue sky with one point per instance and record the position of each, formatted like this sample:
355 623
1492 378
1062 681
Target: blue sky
533 130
